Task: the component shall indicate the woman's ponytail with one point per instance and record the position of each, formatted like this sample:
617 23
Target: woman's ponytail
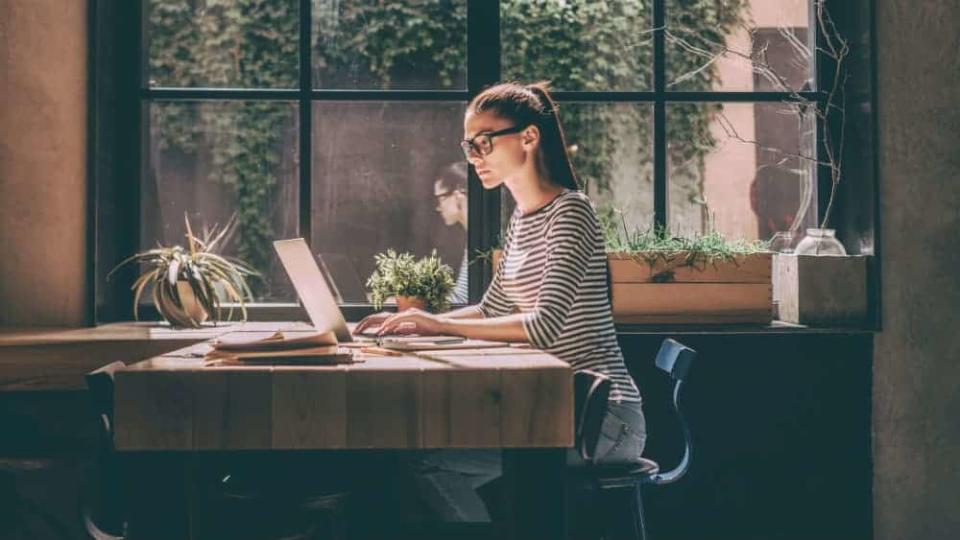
553 142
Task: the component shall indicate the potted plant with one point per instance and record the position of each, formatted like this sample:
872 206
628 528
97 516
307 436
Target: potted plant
190 284
661 278
424 284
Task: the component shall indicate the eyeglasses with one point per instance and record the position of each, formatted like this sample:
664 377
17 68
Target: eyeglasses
482 143
442 196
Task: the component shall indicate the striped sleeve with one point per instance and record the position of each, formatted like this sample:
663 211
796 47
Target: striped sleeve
494 302
570 245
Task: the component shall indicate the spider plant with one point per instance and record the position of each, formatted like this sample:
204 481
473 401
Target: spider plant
190 284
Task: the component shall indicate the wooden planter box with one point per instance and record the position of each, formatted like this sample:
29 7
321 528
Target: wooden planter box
724 292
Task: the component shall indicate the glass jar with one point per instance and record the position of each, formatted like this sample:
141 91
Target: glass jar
820 242
781 242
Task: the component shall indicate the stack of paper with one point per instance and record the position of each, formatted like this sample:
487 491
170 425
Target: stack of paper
279 348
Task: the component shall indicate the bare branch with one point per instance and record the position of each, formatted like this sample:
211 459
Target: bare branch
833 46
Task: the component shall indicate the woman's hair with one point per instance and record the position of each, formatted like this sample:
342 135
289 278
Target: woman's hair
453 177
532 104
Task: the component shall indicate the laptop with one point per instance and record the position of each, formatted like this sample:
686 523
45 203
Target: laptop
313 289
318 299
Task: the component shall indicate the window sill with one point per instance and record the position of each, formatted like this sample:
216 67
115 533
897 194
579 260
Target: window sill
776 327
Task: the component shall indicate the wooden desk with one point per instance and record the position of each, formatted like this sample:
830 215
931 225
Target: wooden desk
513 398
485 398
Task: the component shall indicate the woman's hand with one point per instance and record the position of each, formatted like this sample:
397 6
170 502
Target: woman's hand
372 321
412 321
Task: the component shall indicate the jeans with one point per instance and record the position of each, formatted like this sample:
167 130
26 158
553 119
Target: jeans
448 479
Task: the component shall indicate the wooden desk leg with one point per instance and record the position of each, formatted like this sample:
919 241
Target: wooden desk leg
535 482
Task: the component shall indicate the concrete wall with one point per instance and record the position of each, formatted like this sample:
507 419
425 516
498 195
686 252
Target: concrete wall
916 391
43 78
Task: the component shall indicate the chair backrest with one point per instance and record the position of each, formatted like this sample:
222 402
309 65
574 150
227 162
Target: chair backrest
591 391
109 514
100 385
676 360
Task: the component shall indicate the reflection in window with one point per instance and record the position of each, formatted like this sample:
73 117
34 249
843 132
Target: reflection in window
757 176
375 170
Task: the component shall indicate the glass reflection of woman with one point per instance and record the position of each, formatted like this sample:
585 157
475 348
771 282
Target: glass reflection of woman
549 288
450 190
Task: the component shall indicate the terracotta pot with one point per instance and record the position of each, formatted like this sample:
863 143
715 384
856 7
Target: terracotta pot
190 304
406 302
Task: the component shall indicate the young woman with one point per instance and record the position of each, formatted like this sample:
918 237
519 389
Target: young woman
549 289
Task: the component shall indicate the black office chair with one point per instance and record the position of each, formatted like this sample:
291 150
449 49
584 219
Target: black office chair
102 506
591 393
232 506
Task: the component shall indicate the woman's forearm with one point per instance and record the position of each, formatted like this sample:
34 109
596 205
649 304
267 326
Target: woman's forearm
506 328
466 312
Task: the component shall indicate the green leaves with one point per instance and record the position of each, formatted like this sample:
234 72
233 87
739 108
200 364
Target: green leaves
399 274
212 279
659 244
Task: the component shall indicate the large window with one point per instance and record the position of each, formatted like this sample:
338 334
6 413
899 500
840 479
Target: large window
334 119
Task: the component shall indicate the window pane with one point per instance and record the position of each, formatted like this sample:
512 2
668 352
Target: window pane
738 45
578 44
221 44
375 173
612 153
214 160
743 175
371 44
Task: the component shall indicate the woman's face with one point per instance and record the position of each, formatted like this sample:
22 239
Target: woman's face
510 151
449 203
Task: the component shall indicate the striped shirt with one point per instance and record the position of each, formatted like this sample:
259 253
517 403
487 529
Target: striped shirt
553 270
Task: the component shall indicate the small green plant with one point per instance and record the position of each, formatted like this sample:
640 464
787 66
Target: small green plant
672 251
399 274
197 271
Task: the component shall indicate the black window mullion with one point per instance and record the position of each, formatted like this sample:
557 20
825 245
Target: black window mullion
119 217
659 117
483 69
686 97
306 119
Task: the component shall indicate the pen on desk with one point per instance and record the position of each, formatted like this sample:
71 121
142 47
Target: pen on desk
380 351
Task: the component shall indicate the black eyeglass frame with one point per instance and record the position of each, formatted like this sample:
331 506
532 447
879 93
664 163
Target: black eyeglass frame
468 146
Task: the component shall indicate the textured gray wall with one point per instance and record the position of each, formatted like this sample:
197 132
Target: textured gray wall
917 362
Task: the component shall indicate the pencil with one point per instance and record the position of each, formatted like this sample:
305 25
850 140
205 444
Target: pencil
380 351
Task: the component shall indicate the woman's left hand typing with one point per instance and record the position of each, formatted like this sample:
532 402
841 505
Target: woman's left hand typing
413 321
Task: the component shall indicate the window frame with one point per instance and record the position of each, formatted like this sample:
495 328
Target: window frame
118 93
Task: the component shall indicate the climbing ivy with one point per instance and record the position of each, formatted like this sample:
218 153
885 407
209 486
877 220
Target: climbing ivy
577 44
